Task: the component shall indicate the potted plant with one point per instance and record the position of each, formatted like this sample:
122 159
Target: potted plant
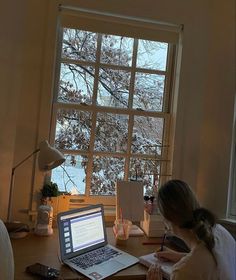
50 189
50 193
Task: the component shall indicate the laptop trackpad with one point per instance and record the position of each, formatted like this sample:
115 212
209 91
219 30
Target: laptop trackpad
110 267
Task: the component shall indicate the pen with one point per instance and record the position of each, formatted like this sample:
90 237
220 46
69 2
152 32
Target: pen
163 241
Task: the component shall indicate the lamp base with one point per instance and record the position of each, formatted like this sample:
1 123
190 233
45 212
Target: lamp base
17 229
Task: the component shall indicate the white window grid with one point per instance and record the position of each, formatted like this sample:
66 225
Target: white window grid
164 159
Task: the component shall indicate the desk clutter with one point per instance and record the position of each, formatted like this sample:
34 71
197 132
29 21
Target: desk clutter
46 249
121 229
17 229
44 271
153 225
44 220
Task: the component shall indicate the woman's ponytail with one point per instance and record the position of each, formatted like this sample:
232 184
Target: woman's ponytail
204 220
202 224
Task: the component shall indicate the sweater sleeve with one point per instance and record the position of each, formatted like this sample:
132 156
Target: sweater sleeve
6 254
183 275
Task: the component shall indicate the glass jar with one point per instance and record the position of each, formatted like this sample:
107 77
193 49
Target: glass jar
44 219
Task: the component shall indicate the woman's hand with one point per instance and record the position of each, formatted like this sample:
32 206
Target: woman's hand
154 272
169 255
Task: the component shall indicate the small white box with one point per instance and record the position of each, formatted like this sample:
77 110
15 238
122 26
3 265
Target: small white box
153 225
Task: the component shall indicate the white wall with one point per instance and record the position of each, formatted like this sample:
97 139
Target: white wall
205 107
22 32
218 107
11 85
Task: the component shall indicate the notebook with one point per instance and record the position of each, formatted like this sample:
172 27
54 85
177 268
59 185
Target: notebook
166 267
84 246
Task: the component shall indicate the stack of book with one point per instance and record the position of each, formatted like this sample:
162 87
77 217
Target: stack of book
153 225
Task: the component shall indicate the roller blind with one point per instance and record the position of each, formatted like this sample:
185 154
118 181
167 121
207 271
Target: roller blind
115 24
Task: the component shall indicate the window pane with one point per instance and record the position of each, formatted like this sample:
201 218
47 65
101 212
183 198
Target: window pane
117 50
149 92
70 177
73 129
106 171
113 88
147 171
147 135
76 83
79 45
111 132
152 55
96 70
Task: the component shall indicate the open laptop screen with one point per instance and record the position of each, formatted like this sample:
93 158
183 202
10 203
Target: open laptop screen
81 230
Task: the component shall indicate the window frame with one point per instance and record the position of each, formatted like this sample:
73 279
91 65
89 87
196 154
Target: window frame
166 114
231 205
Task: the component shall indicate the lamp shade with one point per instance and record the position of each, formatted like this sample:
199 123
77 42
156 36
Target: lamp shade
49 157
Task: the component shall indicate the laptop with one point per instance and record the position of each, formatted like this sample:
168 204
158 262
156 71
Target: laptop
84 246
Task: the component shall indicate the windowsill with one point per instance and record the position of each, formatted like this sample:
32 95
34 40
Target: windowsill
228 221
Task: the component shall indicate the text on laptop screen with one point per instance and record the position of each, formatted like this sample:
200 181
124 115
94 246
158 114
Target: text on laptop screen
82 229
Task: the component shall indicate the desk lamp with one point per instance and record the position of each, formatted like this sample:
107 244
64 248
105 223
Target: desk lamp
48 158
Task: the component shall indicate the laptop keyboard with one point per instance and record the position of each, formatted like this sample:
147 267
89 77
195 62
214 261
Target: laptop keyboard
94 257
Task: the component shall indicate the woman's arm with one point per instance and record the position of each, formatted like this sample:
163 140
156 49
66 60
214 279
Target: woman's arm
169 255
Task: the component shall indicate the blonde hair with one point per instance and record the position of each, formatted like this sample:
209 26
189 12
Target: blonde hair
178 204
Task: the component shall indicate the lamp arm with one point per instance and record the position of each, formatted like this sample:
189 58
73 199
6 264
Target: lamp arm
12 183
34 152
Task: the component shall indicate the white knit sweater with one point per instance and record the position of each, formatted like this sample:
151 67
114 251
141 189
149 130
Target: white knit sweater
6 255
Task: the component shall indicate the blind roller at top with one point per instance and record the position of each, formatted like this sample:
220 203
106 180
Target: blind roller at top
118 25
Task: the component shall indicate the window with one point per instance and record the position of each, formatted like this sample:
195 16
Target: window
232 181
111 110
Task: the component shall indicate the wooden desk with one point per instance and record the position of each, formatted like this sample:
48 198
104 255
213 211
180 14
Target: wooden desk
33 248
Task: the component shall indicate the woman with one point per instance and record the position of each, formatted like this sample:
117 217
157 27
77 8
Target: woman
212 248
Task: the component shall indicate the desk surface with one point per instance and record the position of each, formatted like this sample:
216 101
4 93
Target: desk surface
33 248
